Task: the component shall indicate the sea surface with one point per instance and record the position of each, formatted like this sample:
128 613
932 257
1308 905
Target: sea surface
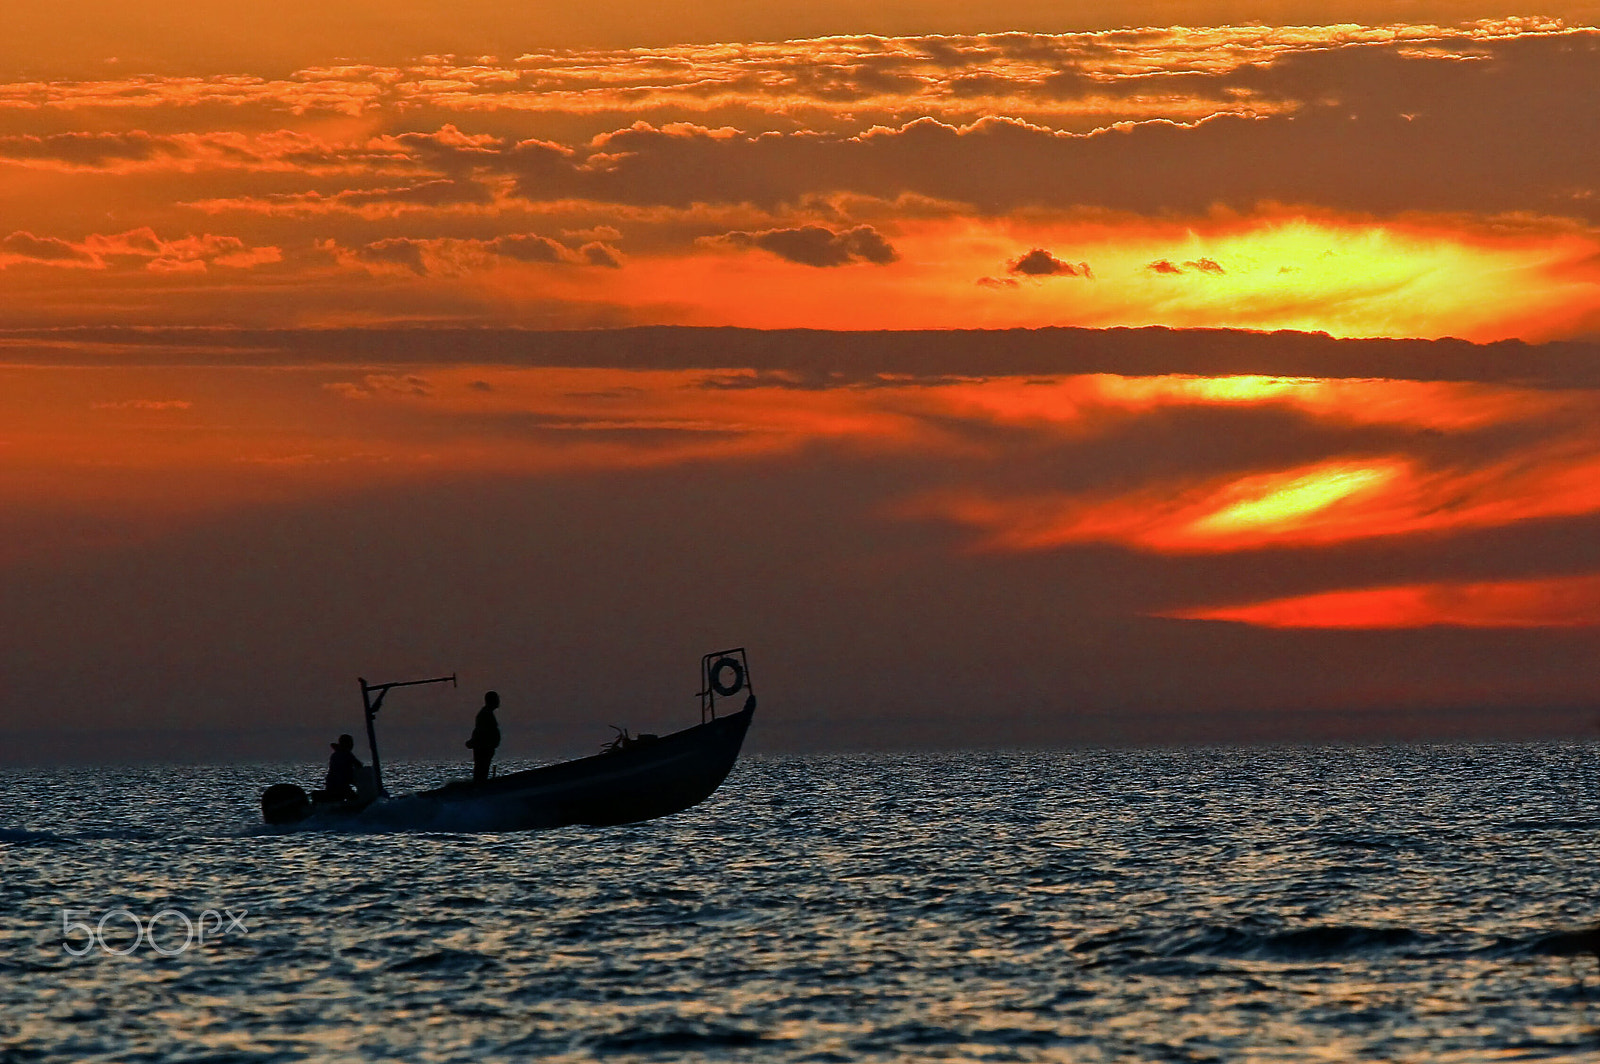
1394 903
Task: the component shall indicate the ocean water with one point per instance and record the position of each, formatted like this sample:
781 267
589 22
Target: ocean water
1405 903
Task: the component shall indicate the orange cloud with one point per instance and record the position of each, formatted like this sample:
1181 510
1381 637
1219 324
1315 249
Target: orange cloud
1343 276
445 256
280 151
952 164
817 245
1319 504
1331 502
243 433
1556 602
142 404
1433 405
1078 78
180 439
1041 263
1555 472
99 251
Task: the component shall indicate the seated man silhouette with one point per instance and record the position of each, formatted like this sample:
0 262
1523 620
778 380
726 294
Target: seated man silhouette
342 764
485 737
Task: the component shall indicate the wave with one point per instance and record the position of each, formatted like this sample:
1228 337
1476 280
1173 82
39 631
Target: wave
1548 825
444 961
1241 942
23 837
674 1038
1567 943
125 835
1323 942
1317 942
26 837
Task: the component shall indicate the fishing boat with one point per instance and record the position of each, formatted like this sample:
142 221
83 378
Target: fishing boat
633 778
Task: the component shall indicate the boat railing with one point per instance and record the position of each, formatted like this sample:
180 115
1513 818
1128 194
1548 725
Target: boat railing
723 674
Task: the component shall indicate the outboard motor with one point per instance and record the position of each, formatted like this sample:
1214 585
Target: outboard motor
284 803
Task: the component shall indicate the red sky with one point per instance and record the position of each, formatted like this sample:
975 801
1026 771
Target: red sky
279 399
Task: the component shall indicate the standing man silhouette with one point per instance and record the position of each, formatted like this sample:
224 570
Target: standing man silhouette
485 737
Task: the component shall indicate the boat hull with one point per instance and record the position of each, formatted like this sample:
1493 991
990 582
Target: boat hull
642 781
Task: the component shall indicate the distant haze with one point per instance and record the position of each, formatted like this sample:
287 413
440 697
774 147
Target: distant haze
924 540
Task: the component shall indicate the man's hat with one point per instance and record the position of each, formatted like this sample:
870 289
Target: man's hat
344 742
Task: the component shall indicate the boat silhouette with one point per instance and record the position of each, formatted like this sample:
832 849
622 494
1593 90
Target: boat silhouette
633 778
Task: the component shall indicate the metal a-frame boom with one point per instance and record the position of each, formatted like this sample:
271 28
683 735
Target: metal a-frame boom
371 705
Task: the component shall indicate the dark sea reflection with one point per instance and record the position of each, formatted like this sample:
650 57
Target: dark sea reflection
1394 903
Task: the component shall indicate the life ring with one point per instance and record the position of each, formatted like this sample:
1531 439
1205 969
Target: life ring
715 675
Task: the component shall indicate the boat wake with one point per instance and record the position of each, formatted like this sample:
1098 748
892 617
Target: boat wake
27 837
414 814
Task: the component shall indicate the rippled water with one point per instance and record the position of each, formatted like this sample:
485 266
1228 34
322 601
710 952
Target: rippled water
1399 903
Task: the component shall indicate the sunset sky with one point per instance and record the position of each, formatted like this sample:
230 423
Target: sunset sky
1026 372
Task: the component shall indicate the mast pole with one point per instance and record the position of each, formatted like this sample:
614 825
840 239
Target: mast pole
371 711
